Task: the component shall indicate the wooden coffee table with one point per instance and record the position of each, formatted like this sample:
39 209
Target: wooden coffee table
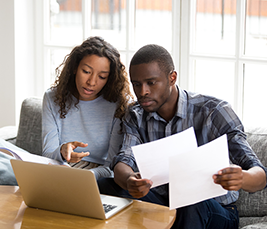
15 214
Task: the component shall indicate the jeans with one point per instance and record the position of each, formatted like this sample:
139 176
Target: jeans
208 214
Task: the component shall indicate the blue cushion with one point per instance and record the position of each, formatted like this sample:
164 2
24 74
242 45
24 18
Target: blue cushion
7 176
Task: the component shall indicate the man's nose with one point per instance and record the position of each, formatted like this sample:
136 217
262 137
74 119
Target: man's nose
144 90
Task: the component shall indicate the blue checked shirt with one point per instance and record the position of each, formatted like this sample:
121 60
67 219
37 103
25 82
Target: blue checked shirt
210 118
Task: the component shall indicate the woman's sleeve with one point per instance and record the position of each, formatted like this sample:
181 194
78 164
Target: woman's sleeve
50 134
115 142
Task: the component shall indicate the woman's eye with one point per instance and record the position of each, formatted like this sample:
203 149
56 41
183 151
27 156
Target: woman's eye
86 72
102 77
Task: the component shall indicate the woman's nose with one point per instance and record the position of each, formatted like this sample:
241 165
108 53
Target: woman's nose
92 80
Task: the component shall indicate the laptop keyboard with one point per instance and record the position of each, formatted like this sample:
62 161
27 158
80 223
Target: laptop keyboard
108 207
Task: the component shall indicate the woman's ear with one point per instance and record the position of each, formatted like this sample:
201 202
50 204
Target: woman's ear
173 77
75 70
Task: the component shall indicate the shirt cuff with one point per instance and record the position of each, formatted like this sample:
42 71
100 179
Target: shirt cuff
128 160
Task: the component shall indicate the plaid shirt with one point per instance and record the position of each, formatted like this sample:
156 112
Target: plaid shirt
210 118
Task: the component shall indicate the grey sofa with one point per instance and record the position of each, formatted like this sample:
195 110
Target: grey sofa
27 136
29 133
252 207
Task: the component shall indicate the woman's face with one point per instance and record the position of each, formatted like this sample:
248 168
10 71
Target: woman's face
91 76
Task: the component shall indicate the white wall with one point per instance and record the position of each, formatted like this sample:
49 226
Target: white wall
7 63
17 60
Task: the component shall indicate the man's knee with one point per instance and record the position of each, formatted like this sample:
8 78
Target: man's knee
105 184
194 208
108 186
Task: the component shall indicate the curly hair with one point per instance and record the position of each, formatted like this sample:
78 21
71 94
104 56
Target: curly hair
117 88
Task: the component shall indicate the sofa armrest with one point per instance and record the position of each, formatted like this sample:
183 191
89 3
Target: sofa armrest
255 204
9 133
29 135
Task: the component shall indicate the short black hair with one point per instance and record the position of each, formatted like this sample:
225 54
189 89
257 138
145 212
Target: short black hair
154 53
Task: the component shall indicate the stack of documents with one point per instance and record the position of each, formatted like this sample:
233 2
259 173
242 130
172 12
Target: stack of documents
187 168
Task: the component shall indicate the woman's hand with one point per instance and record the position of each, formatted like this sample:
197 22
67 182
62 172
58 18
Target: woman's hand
67 152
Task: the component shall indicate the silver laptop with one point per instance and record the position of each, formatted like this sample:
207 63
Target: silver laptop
64 189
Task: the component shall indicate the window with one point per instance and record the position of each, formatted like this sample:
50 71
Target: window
219 46
223 48
127 25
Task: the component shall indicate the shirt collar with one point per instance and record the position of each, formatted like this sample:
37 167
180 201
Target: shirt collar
182 104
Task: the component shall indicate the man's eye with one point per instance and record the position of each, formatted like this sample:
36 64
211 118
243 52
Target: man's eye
136 84
151 82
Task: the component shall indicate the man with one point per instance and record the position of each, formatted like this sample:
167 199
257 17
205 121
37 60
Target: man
164 109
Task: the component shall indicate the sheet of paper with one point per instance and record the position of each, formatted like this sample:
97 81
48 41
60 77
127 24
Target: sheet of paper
153 158
191 173
25 156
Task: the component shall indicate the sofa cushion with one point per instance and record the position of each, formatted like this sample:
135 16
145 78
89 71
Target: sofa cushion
29 135
256 226
7 176
257 138
249 221
255 204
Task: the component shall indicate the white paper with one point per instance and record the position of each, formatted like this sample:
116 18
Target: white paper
153 158
191 173
25 156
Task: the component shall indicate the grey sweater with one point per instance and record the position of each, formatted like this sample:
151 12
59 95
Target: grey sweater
91 122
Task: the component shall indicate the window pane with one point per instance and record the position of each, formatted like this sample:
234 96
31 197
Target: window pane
153 23
256 28
210 81
215 24
56 57
66 22
109 21
255 109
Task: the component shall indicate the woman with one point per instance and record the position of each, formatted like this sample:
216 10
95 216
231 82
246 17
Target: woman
83 109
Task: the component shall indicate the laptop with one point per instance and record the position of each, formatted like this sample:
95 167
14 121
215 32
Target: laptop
64 189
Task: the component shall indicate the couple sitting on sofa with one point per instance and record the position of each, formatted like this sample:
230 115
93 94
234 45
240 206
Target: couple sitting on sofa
76 105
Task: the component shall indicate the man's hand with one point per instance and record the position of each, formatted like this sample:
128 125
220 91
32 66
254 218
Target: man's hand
138 187
234 178
127 179
71 156
230 178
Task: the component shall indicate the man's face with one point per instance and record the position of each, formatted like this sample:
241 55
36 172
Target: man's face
151 86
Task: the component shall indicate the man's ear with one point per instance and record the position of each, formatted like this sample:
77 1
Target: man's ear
173 77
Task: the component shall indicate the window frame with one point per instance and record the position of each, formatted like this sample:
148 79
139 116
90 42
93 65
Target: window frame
43 44
187 56
182 43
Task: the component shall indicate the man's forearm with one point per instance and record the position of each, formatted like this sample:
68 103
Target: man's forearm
121 174
254 179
